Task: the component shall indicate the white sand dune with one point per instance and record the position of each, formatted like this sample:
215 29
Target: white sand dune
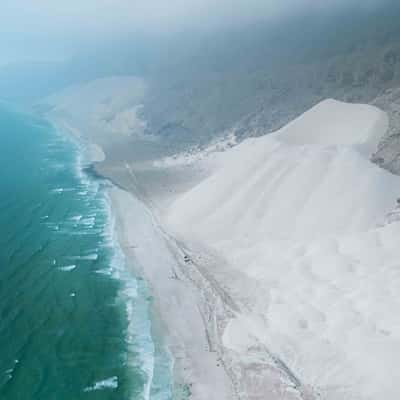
301 213
105 107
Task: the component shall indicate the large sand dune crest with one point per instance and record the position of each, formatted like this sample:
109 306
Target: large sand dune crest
302 212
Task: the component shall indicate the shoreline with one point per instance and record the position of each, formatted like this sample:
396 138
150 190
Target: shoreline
203 366
228 316
179 307
87 159
197 368
195 297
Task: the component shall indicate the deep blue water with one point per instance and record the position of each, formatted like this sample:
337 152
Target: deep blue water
74 322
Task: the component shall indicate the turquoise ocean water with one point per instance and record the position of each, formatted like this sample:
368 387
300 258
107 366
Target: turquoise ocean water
74 323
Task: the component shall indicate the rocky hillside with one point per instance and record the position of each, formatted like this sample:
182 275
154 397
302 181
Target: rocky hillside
256 80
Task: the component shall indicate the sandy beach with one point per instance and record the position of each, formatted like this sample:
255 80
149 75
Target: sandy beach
201 201
181 308
194 307
254 254
195 292
198 368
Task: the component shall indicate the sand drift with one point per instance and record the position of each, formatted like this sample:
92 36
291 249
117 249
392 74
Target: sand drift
301 214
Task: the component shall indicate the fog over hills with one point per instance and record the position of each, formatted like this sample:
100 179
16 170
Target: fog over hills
251 76
243 176
263 76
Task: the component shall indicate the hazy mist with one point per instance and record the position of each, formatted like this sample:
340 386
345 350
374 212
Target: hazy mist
48 29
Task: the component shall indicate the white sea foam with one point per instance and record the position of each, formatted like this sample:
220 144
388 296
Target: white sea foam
9 372
88 221
62 190
104 271
91 257
67 268
139 339
109 383
139 336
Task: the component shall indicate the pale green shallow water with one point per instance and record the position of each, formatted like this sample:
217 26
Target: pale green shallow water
74 323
